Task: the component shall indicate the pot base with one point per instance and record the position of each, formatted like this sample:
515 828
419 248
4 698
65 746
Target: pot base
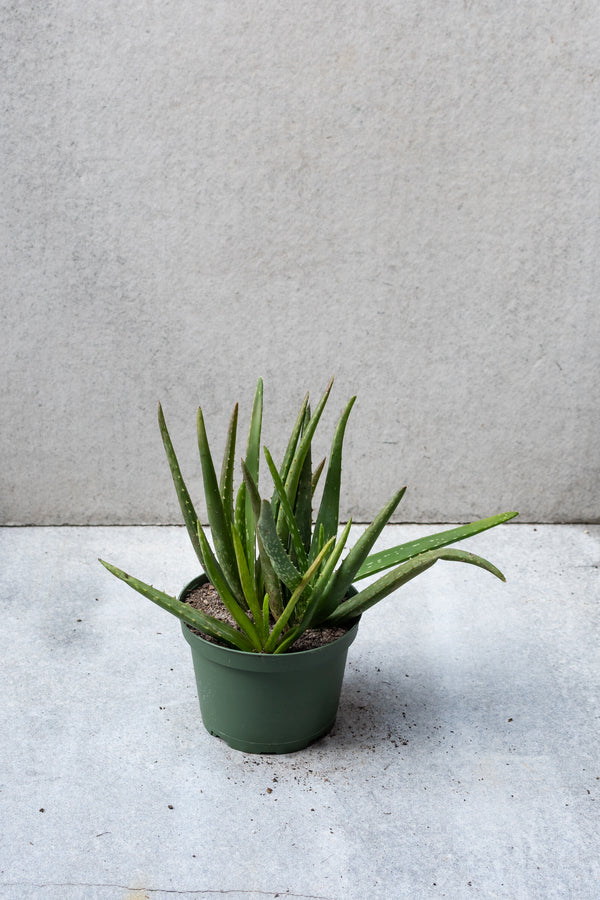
260 747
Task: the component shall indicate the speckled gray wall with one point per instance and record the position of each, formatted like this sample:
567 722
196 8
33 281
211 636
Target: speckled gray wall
404 194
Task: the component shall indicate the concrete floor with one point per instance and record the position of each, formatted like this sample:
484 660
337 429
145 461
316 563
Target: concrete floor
464 761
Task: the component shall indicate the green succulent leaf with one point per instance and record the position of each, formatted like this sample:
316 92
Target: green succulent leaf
252 459
329 510
248 584
290 451
287 512
346 573
271 581
280 561
194 617
312 613
298 593
293 476
280 518
219 522
390 582
303 504
265 619
377 562
218 579
240 517
226 480
252 462
315 476
321 536
187 507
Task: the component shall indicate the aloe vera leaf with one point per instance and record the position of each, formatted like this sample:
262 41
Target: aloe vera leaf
187 508
313 608
332 560
292 635
248 585
252 458
346 573
329 509
252 462
226 480
321 532
293 476
265 619
219 523
287 512
388 583
240 515
294 599
290 450
410 569
183 611
274 549
270 579
217 578
377 562
251 490
315 476
280 518
303 502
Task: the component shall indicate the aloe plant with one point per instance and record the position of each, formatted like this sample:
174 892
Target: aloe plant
275 571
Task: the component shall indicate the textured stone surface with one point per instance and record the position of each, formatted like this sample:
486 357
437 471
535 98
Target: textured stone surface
406 195
464 761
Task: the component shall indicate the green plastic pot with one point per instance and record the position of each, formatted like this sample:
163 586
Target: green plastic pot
265 703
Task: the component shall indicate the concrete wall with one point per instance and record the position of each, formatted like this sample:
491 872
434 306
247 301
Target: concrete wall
404 194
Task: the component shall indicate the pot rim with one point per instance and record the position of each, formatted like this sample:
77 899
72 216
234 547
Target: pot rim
239 658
